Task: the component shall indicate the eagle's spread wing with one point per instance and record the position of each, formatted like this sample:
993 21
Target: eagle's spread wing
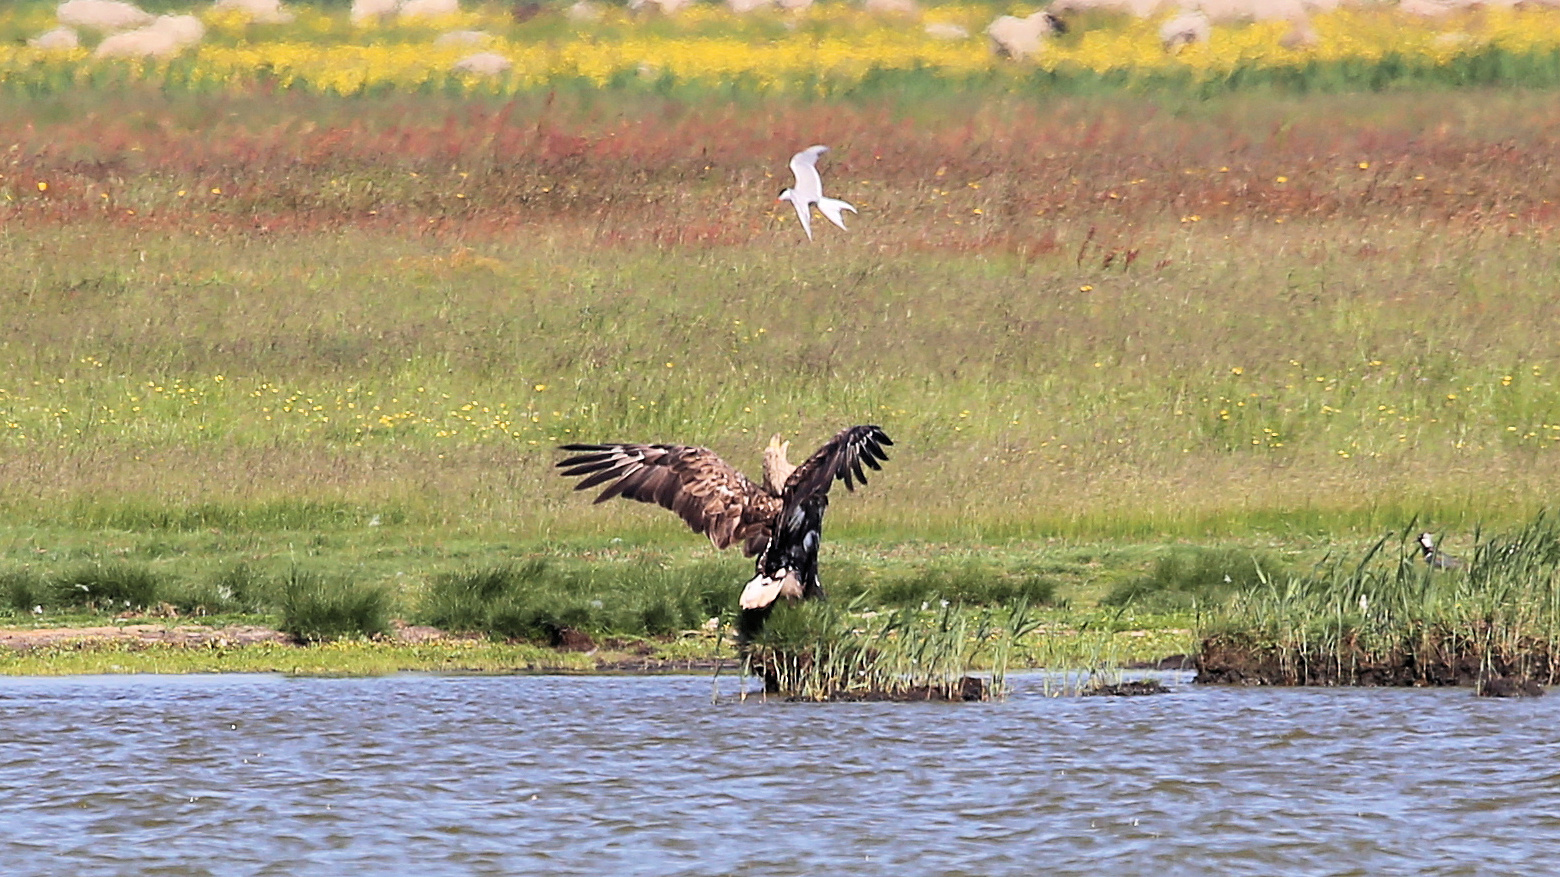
840 458
709 495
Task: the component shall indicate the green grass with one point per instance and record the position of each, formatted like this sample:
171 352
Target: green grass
108 587
338 658
819 651
539 601
1101 330
1383 615
1189 579
316 609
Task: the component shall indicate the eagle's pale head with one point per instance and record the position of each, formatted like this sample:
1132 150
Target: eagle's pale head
776 467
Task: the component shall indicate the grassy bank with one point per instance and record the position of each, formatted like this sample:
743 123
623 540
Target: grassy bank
1220 318
290 344
1384 617
607 607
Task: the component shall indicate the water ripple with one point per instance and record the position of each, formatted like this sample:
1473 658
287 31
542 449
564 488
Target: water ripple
263 775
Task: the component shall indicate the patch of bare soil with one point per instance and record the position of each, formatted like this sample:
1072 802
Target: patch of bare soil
612 655
171 634
181 635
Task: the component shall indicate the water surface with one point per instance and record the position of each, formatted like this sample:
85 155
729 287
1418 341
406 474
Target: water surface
429 775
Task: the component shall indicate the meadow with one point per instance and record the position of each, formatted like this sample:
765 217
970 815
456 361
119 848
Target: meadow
826 49
264 326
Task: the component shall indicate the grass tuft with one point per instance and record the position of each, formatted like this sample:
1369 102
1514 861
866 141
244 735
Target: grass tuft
23 591
315 608
1185 579
970 583
825 652
535 600
105 587
1387 617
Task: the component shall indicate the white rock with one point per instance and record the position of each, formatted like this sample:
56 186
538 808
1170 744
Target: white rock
943 30
483 64
892 7
257 11
1230 11
584 12
1020 38
186 30
1426 8
1134 8
1185 29
58 40
366 10
146 42
414 9
166 36
462 38
743 7
102 16
665 7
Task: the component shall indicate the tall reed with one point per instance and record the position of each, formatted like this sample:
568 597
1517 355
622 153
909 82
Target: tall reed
1387 617
822 652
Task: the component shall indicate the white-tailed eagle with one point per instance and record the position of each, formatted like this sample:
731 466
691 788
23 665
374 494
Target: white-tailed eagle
779 521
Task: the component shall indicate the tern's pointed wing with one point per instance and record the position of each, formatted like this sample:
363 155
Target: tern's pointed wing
804 213
804 164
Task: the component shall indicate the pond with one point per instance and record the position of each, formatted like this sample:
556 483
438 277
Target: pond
506 775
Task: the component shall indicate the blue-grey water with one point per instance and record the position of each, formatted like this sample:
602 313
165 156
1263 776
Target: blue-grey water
430 775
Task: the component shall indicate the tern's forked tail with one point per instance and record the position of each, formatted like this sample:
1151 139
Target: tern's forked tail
831 207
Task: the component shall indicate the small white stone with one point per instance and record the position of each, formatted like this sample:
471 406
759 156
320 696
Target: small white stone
58 40
462 38
483 64
102 16
943 30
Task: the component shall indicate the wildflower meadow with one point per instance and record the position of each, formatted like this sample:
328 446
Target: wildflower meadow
303 297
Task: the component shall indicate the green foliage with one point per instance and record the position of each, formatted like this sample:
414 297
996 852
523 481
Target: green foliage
315 608
1500 609
294 513
1047 335
1188 578
238 586
23 590
201 598
971 583
537 600
106 587
824 651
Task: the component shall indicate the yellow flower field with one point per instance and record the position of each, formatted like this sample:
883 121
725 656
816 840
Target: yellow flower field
828 46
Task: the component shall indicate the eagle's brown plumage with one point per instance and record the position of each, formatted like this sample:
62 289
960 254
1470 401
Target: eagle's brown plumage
712 497
709 495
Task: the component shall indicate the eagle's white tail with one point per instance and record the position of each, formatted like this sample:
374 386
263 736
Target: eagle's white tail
763 590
